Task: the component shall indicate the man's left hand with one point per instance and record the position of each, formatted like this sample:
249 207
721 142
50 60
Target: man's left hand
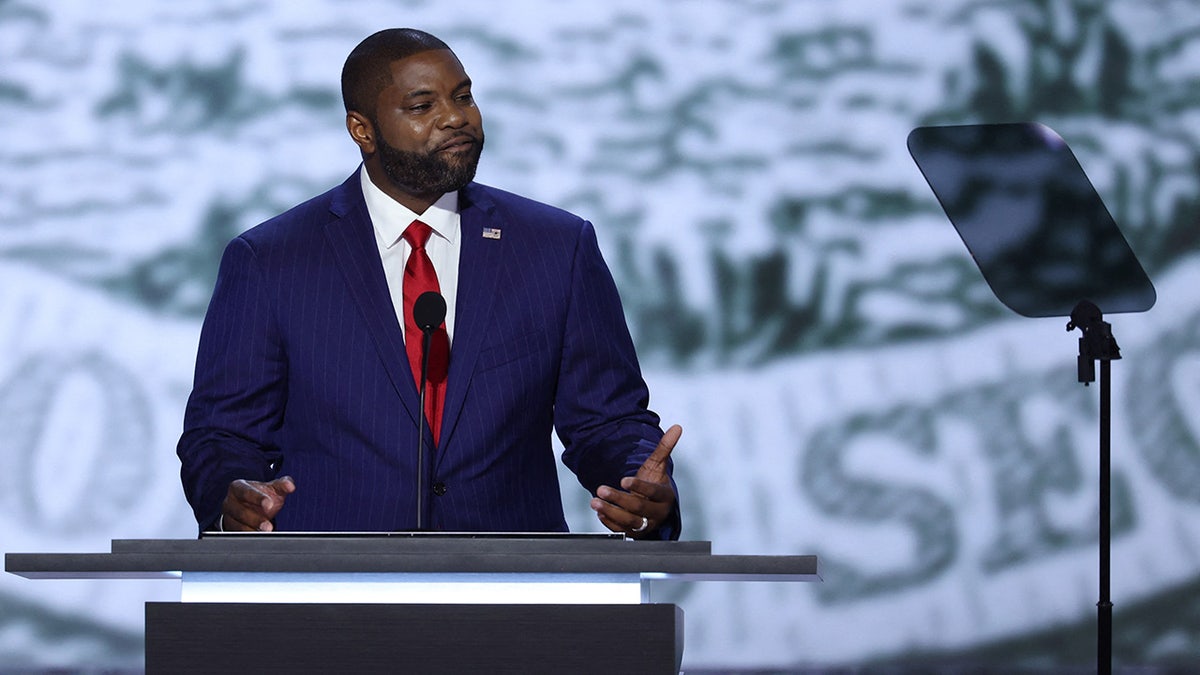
646 500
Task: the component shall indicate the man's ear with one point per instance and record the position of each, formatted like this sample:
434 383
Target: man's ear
362 132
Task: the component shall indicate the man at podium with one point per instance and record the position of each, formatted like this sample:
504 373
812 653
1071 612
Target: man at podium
306 411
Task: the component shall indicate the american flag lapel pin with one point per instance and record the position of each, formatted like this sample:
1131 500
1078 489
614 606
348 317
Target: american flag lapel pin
491 233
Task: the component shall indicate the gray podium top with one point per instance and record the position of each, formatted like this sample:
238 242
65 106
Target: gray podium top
413 553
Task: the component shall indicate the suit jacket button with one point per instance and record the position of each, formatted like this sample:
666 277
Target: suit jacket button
439 488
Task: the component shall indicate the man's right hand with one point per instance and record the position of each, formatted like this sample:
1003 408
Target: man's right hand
250 505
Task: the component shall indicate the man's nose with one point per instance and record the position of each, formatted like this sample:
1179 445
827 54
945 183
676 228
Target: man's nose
453 116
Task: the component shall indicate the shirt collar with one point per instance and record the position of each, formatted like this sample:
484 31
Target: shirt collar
390 218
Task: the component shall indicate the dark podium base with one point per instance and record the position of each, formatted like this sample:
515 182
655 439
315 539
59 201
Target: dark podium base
384 638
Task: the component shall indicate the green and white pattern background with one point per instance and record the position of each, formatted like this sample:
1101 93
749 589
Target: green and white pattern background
848 385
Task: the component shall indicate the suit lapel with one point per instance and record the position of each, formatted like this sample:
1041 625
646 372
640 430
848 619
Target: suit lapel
352 239
478 270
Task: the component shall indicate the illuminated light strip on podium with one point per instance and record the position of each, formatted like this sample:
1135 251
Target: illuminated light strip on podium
412 588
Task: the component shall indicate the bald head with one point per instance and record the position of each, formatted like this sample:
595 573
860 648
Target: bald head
367 69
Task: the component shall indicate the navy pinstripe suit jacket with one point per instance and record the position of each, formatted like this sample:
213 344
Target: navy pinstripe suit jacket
302 370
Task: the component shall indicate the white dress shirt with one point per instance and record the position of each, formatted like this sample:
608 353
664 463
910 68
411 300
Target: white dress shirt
390 218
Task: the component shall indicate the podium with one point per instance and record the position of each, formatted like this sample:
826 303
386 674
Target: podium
422 603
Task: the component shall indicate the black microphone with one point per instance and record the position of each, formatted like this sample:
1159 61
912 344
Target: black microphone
429 311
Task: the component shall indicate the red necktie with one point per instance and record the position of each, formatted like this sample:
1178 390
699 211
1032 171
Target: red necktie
419 277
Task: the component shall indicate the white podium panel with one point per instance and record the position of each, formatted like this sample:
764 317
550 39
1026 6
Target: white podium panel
412 588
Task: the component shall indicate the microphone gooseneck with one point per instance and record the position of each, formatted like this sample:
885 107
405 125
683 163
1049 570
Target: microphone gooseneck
429 311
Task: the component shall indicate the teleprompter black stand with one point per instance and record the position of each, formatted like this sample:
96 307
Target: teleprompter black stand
1047 246
1098 344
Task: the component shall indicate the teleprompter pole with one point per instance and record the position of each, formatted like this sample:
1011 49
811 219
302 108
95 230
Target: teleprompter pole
1098 344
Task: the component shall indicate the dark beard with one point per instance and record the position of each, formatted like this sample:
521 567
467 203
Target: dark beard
427 173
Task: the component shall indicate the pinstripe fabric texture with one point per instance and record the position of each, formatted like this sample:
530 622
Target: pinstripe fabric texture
302 371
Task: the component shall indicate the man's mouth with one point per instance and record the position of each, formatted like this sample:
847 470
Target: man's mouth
459 143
